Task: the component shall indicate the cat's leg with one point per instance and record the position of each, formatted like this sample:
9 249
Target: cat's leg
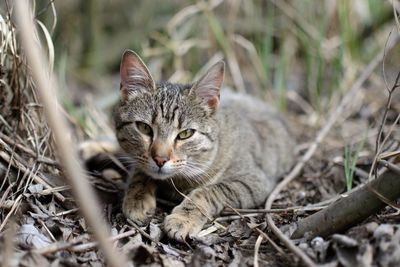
188 218
139 203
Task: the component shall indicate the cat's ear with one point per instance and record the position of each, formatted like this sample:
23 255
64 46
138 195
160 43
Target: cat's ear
135 77
208 87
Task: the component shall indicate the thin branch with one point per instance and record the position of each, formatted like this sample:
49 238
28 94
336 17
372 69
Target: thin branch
351 209
18 165
13 209
394 168
256 249
72 246
258 230
284 210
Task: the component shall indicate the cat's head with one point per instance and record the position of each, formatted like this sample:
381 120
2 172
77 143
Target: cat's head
169 130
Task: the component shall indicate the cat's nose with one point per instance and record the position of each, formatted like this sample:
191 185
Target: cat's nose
160 160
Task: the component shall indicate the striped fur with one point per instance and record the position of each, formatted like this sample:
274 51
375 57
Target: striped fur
238 150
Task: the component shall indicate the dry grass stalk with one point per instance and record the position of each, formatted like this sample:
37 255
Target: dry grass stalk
68 157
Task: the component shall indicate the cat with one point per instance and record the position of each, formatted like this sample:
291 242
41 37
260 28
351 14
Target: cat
217 148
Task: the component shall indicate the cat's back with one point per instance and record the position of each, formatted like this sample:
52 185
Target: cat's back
262 132
245 104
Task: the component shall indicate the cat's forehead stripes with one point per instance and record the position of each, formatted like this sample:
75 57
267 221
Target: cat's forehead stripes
168 105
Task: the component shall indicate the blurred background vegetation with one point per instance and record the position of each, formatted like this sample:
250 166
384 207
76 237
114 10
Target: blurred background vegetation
306 51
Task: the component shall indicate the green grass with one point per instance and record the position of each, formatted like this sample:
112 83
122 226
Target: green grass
350 161
323 41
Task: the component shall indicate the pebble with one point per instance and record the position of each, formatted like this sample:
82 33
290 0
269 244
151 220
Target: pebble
384 229
371 227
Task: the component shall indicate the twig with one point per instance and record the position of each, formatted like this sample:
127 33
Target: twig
72 246
63 213
47 230
393 167
18 165
92 245
55 189
28 151
143 233
285 210
264 235
45 85
311 150
235 217
390 154
13 208
58 246
256 249
5 195
379 145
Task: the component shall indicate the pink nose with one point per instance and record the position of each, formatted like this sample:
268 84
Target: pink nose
160 161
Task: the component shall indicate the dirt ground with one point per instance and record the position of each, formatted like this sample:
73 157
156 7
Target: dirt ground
48 230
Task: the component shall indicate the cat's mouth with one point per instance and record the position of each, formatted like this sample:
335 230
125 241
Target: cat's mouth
161 173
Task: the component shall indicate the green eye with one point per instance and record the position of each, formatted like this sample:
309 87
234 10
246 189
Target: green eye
185 134
144 128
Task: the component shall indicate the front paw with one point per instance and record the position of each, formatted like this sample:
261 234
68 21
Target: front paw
140 210
179 226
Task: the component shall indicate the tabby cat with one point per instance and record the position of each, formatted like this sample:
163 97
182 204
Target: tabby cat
219 149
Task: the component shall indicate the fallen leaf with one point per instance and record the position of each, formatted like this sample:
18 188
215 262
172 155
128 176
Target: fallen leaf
30 236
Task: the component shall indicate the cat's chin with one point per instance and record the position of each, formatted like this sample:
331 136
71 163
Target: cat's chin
159 175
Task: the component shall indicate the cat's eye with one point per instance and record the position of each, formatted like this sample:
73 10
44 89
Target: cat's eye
185 134
144 128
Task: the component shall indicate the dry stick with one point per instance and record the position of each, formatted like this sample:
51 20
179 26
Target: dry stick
55 189
13 208
390 154
311 150
143 233
72 245
379 146
57 246
18 165
284 210
351 209
45 84
5 194
92 245
261 233
393 167
28 150
63 213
